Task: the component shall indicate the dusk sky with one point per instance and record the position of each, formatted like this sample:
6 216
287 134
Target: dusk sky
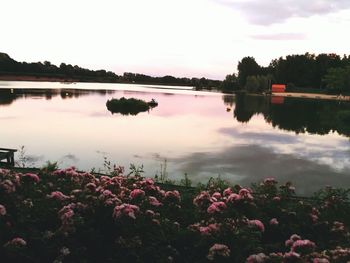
190 38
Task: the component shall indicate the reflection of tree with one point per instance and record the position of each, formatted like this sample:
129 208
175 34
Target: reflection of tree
298 115
228 100
7 96
247 106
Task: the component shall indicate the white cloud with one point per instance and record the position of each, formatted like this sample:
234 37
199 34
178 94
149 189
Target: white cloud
266 12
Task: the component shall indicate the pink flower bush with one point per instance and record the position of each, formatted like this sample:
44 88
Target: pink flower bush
233 198
302 245
227 192
274 222
17 242
32 176
58 196
218 250
137 193
154 201
257 224
2 210
202 200
172 196
245 194
210 229
126 210
258 258
218 216
216 207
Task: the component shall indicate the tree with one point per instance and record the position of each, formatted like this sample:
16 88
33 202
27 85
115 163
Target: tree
338 80
247 67
230 84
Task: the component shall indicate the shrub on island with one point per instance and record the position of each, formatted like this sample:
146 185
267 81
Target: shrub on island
130 106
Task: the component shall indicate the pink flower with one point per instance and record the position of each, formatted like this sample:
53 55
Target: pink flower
216 207
276 199
270 181
154 201
8 186
150 213
233 198
136 193
126 210
274 222
216 195
2 210
295 237
218 250
18 242
202 200
91 187
58 196
320 260
32 176
258 258
173 196
227 191
245 194
301 245
291 256
257 224
208 230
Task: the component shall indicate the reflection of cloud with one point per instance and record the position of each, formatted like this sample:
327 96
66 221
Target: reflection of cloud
245 164
266 12
333 152
267 137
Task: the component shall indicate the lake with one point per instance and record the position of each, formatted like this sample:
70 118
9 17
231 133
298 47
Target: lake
203 134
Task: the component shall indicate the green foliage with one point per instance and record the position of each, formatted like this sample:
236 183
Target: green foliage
303 71
338 80
186 181
50 166
247 67
230 84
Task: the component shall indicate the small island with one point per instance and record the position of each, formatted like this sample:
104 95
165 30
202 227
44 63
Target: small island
130 106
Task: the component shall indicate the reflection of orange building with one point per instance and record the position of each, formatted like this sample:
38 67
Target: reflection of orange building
277 100
278 88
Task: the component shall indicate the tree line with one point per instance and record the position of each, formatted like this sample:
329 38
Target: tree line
328 73
9 66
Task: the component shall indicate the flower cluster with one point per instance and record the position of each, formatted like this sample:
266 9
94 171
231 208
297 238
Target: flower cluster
119 218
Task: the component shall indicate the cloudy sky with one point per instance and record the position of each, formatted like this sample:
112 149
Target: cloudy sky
175 37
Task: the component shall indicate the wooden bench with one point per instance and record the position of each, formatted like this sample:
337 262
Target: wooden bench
8 155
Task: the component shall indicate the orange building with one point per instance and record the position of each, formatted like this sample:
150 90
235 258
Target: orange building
278 88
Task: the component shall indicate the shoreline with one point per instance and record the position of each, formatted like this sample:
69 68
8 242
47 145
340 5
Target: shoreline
311 96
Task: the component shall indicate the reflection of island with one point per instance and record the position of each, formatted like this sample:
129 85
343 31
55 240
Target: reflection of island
298 115
7 96
129 106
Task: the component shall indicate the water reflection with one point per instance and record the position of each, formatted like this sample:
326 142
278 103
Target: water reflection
244 164
293 139
8 96
298 115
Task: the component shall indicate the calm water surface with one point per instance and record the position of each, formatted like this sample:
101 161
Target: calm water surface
203 134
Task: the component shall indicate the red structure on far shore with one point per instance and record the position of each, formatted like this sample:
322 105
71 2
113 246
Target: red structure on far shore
278 88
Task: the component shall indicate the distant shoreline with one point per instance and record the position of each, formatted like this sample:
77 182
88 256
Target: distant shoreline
311 96
36 78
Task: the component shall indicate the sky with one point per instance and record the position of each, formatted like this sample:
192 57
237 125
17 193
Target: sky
183 38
